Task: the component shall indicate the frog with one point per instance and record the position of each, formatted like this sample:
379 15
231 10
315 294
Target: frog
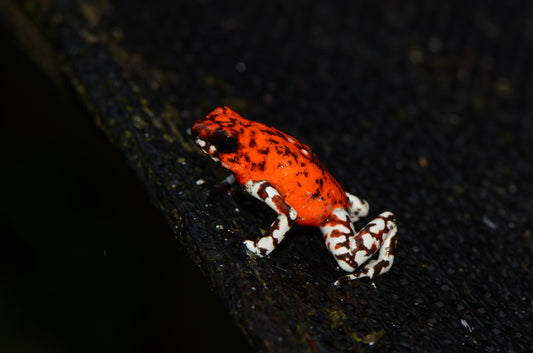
287 175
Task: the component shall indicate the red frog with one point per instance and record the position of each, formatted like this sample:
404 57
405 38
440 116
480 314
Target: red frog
285 174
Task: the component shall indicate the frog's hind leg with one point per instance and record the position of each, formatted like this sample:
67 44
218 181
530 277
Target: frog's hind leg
358 207
351 250
279 228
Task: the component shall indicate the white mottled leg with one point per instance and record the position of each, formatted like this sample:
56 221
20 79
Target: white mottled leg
358 207
352 250
385 257
286 217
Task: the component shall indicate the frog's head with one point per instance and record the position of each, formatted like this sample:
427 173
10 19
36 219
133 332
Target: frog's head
215 134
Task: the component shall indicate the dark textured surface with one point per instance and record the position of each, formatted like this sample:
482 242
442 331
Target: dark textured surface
86 264
424 110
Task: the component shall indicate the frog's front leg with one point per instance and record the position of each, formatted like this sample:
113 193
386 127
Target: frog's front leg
352 250
229 180
279 228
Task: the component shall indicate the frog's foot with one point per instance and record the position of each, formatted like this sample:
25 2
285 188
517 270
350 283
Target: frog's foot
352 250
358 207
228 184
229 180
279 228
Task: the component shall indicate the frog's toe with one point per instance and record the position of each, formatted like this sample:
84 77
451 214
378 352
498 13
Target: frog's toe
250 245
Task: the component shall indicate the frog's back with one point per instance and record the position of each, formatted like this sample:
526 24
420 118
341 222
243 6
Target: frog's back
289 166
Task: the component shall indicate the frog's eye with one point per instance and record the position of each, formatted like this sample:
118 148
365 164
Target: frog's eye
224 142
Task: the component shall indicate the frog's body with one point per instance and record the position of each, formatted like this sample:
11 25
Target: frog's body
284 173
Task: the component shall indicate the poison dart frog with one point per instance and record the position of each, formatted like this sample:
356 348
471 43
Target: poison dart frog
285 174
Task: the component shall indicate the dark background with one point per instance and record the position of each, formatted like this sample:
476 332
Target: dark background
88 264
